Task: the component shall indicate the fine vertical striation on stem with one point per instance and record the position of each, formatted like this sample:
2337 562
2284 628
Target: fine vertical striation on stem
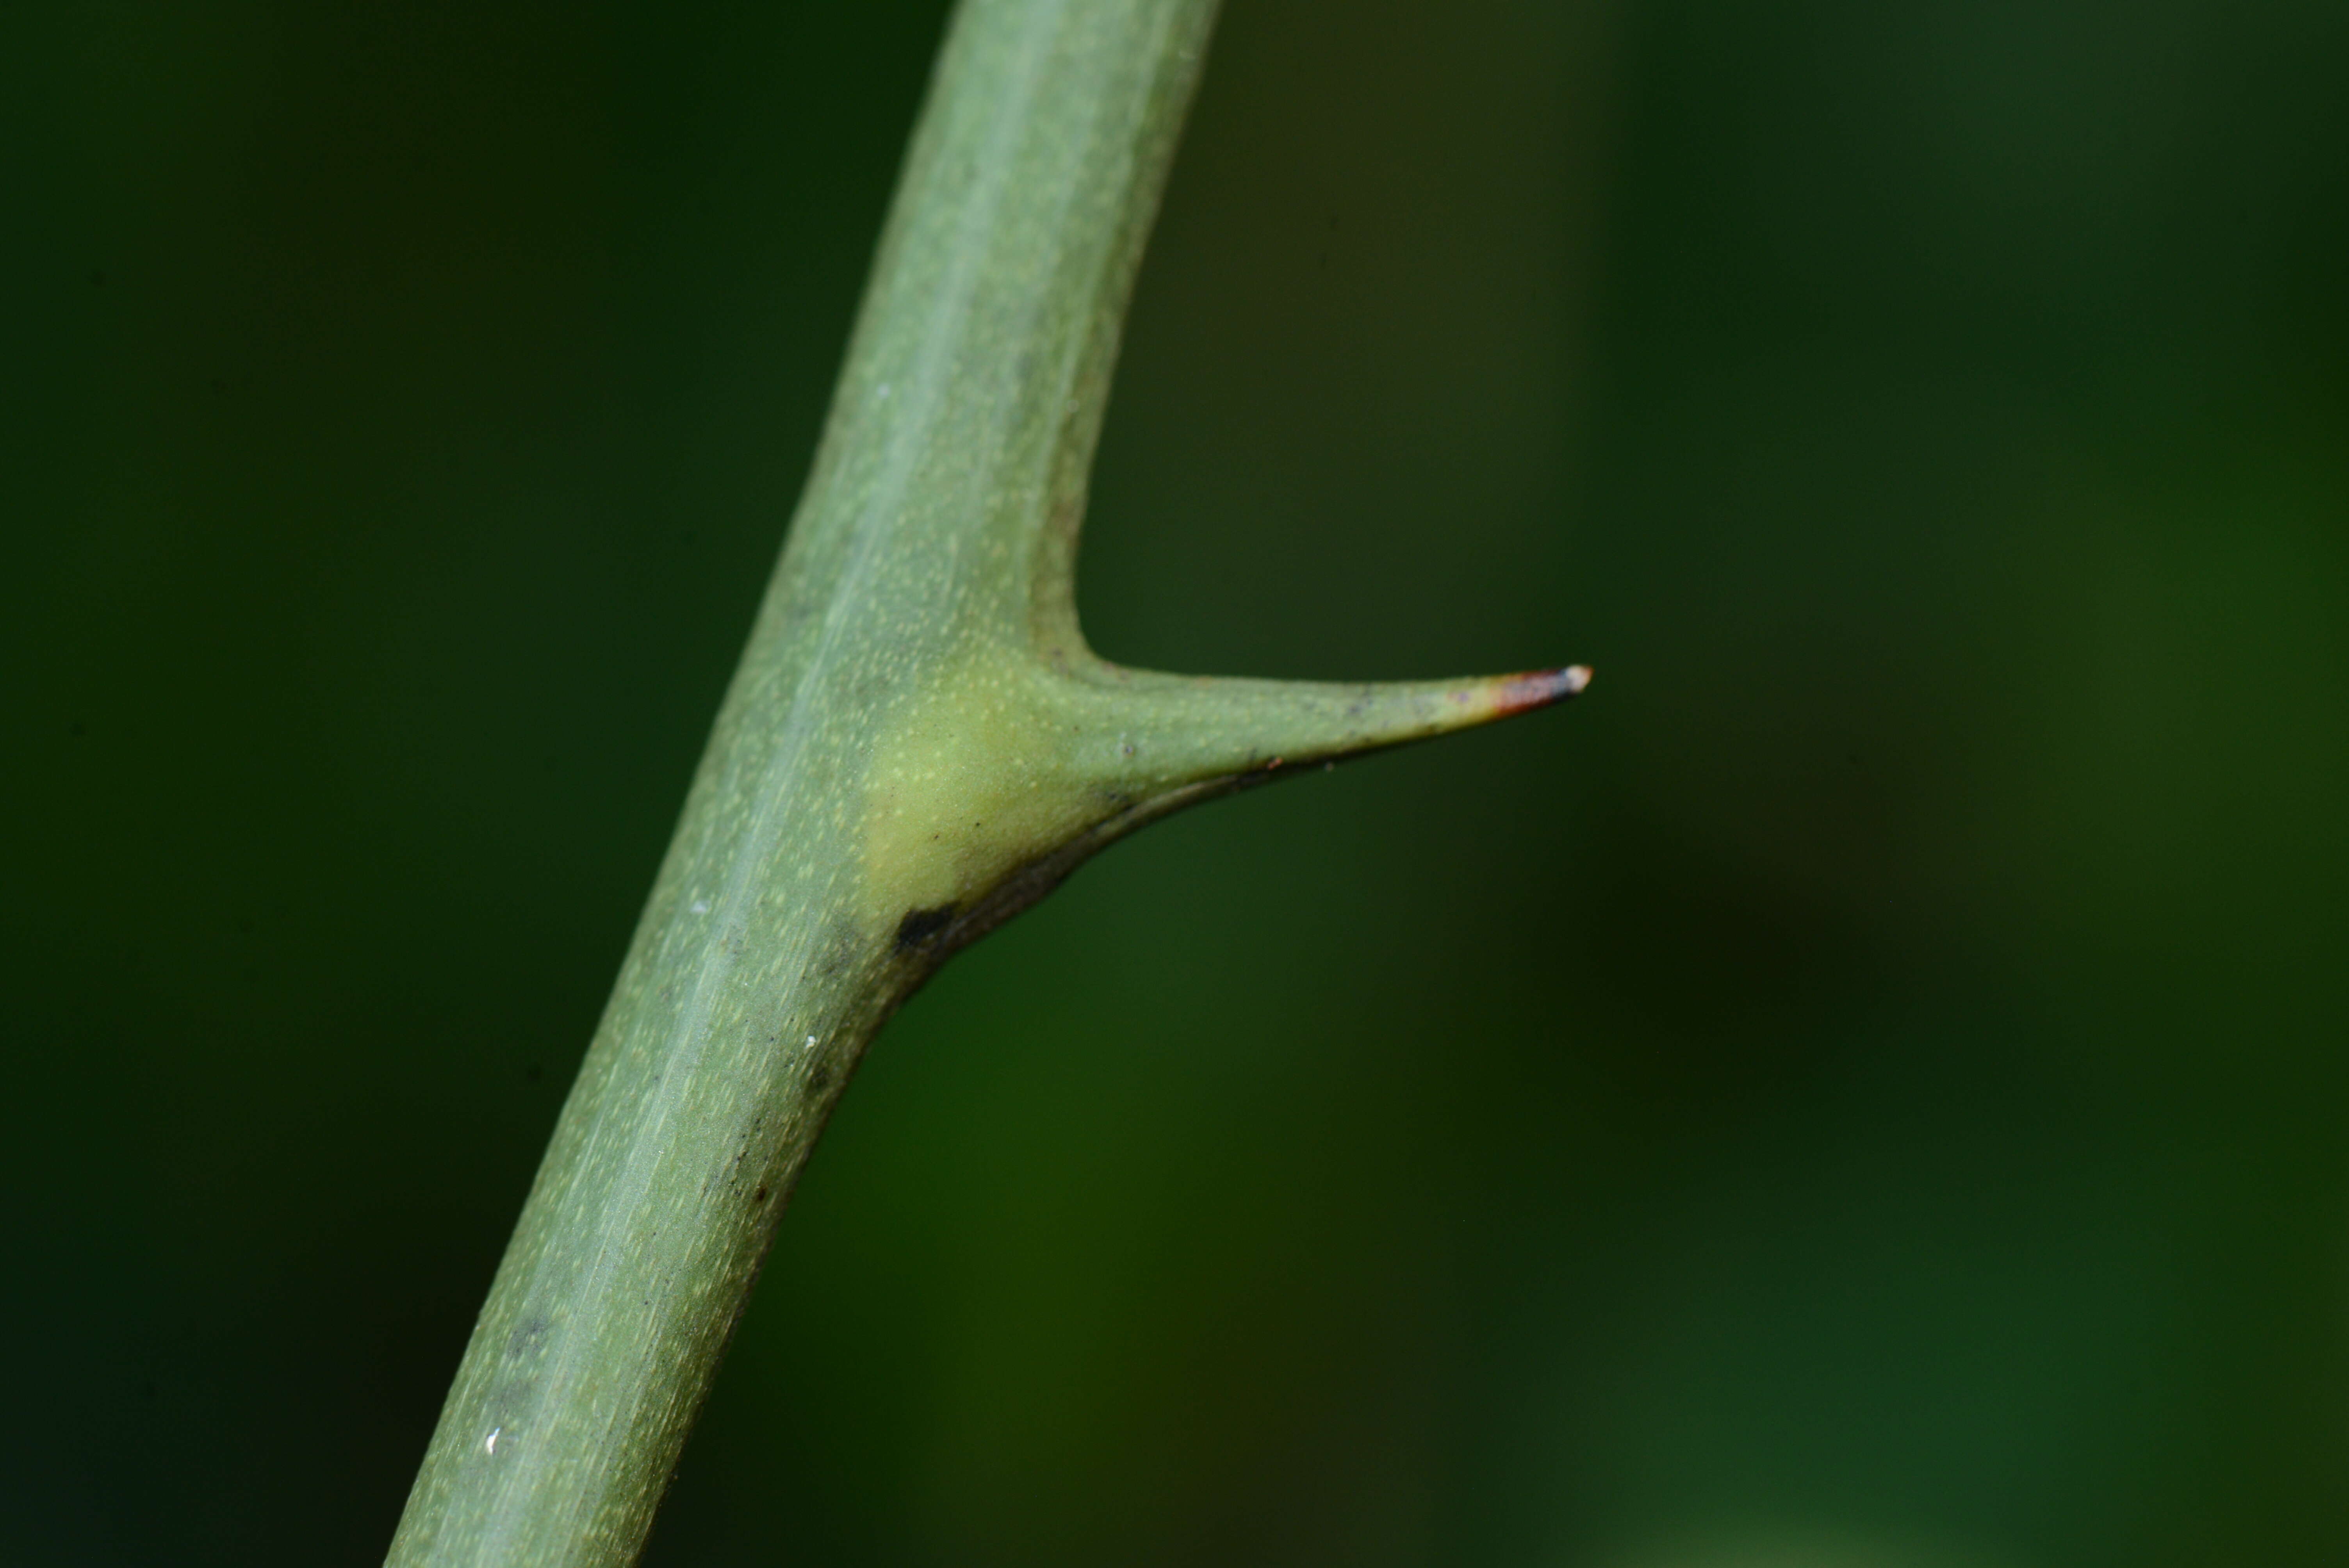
917 745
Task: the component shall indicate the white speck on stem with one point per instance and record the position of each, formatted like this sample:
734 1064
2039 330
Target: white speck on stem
811 1043
699 906
490 1446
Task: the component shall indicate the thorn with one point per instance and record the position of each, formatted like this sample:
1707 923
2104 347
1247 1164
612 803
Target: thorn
1202 729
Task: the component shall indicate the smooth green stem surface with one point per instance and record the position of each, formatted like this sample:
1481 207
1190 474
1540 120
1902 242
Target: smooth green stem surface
918 744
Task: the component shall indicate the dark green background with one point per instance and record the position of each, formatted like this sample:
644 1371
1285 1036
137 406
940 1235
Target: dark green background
1865 1088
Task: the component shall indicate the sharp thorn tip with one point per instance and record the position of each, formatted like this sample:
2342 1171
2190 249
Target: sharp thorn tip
1539 689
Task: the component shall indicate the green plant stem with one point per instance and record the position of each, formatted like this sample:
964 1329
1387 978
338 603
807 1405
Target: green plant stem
917 745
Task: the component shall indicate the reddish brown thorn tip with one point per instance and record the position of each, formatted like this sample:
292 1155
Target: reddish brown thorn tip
1538 688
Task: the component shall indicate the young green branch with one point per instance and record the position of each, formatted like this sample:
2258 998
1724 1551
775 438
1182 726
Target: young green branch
917 745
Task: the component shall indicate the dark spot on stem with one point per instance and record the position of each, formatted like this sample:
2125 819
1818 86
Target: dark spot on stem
921 926
528 1336
818 1081
760 1196
841 945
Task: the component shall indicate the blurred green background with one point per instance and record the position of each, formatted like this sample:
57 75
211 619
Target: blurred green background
1864 1088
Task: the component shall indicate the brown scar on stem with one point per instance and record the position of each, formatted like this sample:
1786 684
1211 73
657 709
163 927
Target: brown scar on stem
920 925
